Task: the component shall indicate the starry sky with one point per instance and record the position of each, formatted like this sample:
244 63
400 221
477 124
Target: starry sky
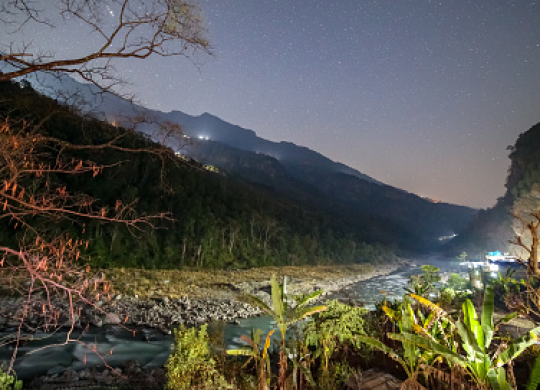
422 95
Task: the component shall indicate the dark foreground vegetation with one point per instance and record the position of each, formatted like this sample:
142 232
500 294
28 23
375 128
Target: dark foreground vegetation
452 341
440 335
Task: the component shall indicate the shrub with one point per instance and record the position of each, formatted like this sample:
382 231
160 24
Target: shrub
191 364
457 282
8 382
337 326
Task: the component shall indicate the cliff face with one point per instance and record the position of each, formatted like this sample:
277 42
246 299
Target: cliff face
493 228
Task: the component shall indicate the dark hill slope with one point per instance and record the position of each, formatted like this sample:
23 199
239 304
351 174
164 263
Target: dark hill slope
219 221
302 175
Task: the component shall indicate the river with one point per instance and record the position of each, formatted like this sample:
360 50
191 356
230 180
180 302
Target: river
151 348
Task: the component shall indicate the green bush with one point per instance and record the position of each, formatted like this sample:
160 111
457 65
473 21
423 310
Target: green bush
458 283
335 327
447 296
424 284
191 364
8 382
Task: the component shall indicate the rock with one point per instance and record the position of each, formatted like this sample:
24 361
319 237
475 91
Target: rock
112 319
374 380
98 322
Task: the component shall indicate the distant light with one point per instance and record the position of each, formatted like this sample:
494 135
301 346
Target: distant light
204 137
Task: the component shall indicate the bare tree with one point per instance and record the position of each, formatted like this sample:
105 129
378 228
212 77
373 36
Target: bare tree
526 226
46 267
118 29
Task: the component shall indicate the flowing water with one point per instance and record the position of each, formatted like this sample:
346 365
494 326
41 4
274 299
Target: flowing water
151 348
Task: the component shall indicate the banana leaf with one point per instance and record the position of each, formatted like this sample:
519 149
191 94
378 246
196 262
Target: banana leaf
473 326
304 312
309 297
429 345
516 347
534 378
487 315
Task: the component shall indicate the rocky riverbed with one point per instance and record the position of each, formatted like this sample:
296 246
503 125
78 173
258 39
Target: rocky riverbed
165 299
216 297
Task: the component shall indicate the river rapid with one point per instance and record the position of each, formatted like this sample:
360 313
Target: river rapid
151 348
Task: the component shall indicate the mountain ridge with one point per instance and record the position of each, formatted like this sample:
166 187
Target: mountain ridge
293 170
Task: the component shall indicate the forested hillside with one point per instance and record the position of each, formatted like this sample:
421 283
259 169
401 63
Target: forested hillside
217 221
494 228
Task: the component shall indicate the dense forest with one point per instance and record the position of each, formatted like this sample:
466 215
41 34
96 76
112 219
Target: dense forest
494 228
216 221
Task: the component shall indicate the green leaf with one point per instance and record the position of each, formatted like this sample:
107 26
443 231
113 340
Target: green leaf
260 304
410 350
309 297
517 347
304 312
277 298
534 378
497 379
241 352
507 318
384 348
473 326
431 346
487 315
467 339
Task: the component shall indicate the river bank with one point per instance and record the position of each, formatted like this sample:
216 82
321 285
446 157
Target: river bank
165 299
189 298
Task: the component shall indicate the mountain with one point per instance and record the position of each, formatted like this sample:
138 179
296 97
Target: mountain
493 229
215 220
295 171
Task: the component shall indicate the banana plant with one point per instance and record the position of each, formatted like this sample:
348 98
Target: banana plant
475 335
260 357
534 378
286 311
412 355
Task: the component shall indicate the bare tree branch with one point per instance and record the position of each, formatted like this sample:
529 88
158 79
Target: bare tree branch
140 29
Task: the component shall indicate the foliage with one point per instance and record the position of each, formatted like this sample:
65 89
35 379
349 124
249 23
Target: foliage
259 355
534 378
338 374
286 311
475 337
457 282
411 357
9 382
424 284
505 286
191 364
447 296
494 227
338 325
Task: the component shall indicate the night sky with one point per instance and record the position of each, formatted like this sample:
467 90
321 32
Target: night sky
422 95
